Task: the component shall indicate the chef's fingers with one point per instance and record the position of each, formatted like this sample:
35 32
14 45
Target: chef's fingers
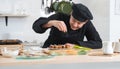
56 24
64 27
69 44
60 26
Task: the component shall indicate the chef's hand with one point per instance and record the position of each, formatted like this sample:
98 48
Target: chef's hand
69 44
58 24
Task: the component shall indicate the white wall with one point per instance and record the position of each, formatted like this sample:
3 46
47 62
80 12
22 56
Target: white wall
100 11
114 22
21 28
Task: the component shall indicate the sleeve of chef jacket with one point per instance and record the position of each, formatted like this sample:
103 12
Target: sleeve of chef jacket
37 26
93 39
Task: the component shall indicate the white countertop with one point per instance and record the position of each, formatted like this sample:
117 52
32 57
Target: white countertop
90 58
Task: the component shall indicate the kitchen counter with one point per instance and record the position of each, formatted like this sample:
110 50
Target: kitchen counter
93 57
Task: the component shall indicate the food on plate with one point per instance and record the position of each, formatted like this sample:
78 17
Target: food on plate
64 52
36 52
81 47
56 50
71 52
59 47
68 50
46 51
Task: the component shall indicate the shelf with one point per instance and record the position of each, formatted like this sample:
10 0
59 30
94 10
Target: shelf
14 15
11 15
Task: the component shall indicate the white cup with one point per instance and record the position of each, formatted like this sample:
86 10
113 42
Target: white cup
108 47
117 47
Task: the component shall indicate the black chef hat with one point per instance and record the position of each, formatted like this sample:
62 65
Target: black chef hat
81 12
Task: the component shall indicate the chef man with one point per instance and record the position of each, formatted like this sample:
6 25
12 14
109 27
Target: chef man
70 29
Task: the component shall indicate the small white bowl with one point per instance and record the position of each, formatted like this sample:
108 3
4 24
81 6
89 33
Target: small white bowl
10 53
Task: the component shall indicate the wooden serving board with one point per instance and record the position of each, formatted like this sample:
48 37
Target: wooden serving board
68 52
102 54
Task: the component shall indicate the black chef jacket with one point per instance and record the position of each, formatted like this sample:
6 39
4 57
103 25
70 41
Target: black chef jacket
71 36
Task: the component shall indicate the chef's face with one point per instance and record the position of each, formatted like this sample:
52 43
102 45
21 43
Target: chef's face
75 24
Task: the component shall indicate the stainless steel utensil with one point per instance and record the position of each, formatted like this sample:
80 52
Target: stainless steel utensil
42 4
47 9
